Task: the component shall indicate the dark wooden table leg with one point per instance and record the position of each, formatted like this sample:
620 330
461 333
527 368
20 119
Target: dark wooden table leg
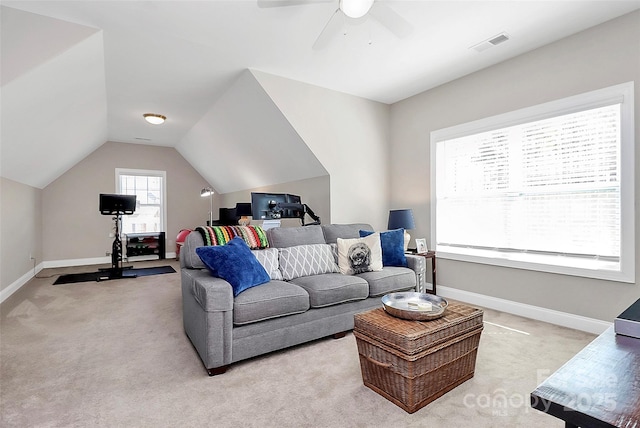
433 273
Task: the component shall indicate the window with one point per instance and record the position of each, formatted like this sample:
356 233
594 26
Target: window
548 188
149 188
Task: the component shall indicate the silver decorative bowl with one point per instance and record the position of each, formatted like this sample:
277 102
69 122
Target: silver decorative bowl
410 305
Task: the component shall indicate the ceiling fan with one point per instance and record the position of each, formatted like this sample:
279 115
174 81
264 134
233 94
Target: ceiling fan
350 9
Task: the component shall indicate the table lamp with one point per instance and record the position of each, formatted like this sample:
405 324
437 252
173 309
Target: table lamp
402 219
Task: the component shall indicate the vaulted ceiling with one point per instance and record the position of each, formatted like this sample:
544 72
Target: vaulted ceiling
76 74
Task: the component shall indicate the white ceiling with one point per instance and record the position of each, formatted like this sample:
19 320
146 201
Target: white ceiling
178 57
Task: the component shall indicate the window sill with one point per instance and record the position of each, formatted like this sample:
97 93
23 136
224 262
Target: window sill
559 264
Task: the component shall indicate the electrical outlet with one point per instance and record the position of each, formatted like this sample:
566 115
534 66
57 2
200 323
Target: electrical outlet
107 253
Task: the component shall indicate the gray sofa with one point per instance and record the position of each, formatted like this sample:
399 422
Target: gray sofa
289 309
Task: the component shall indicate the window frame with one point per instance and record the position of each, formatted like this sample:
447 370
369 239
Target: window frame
623 94
147 173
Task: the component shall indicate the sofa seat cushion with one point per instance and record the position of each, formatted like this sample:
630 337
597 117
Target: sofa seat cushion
271 300
389 280
333 288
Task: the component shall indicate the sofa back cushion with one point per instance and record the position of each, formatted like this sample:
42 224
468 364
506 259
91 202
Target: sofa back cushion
282 237
188 257
305 260
332 232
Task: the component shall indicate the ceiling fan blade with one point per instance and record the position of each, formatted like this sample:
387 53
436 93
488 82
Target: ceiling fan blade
390 19
283 3
331 28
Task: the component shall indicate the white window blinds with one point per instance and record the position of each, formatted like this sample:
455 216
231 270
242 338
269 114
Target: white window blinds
548 187
551 185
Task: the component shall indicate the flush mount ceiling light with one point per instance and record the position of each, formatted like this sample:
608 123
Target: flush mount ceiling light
155 119
355 8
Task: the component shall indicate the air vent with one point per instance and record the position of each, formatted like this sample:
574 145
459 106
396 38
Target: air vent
493 41
142 139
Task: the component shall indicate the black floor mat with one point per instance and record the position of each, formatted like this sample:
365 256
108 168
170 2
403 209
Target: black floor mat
104 275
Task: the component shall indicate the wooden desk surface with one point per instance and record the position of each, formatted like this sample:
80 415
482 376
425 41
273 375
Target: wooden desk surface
599 387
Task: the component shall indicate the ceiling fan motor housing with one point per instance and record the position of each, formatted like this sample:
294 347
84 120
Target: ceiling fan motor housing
355 8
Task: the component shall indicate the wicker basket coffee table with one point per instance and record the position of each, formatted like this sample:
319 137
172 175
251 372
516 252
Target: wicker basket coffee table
411 363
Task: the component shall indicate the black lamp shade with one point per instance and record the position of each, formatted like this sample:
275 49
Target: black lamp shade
401 219
243 209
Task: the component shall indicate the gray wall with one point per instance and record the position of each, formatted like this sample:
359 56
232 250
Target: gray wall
73 228
313 191
605 55
20 230
244 141
350 137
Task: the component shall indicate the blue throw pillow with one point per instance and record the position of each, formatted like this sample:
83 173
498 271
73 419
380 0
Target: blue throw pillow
235 263
392 243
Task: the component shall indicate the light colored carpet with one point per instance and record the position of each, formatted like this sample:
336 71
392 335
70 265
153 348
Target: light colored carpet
114 354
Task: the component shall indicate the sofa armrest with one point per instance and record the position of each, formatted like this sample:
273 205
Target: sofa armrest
419 265
212 294
416 263
207 314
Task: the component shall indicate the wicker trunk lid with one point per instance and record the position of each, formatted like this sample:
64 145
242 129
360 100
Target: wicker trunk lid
411 363
412 337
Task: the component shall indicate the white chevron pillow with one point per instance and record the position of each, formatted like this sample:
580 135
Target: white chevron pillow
305 260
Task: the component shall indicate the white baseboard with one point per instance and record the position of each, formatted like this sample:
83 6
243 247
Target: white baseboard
15 285
577 322
76 262
97 261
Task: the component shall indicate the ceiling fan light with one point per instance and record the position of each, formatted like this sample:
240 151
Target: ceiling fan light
155 119
355 8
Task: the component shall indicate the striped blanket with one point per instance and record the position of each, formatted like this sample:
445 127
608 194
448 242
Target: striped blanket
254 236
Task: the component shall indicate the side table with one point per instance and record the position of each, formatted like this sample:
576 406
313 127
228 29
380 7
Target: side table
596 388
429 255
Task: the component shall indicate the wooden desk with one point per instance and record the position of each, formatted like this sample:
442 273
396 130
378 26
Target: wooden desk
432 256
599 387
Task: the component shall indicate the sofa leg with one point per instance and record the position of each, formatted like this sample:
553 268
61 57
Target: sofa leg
217 370
339 335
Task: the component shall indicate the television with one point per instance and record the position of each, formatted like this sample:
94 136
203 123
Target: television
264 205
117 204
270 206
